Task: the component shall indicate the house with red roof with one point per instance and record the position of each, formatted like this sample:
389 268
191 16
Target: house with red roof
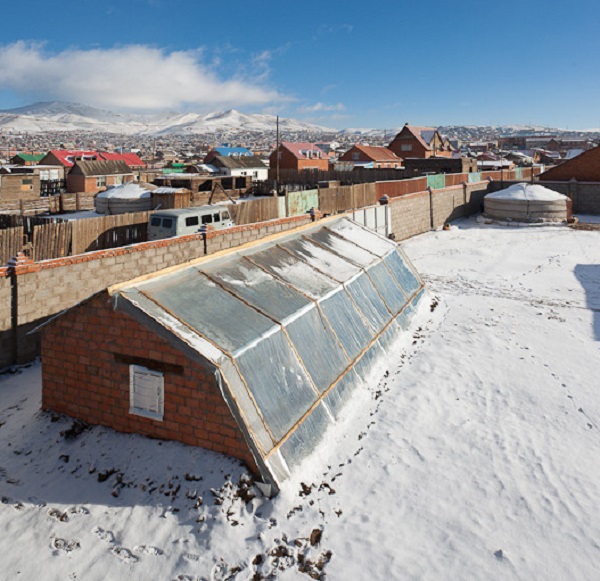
371 156
421 142
299 157
67 158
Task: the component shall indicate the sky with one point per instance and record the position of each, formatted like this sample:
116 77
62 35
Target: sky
338 64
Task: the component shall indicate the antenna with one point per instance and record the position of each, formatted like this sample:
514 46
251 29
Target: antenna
277 158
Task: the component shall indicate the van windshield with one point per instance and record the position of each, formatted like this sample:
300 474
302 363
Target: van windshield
155 221
167 223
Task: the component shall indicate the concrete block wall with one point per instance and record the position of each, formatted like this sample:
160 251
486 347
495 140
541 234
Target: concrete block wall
85 374
6 333
51 286
410 215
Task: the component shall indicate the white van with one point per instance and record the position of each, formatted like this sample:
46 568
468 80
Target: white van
168 223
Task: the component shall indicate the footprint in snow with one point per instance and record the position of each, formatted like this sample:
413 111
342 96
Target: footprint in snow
104 535
148 550
124 555
191 557
65 546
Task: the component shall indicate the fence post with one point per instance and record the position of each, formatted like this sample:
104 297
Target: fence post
431 222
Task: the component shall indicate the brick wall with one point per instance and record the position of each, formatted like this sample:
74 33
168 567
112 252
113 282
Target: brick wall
416 213
85 374
51 286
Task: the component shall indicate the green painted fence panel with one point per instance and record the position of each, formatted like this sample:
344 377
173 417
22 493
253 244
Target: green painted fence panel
474 177
518 173
281 207
437 181
301 202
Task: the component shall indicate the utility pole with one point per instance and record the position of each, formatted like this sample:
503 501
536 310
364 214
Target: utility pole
277 158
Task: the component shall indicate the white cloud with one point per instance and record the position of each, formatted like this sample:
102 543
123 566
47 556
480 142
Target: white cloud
136 77
321 107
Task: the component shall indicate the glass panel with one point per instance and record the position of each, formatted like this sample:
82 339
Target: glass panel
200 303
404 318
248 409
259 288
401 273
369 302
389 337
318 348
387 287
370 365
363 237
335 267
343 247
341 394
348 325
297 272
306 437
281 388
279 469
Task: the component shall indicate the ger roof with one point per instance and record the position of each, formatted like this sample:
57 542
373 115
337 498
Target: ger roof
290 326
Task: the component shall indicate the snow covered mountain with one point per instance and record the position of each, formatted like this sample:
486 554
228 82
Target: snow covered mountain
59 116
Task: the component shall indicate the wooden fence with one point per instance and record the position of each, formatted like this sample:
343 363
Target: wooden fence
259 210
52 240
51 204
11 243
340 199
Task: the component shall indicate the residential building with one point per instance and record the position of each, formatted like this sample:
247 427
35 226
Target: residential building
250 166
27 158
299 157
227 152
371 156
583 168
95 176
421 142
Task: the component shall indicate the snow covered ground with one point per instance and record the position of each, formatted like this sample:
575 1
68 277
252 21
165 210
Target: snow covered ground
475 457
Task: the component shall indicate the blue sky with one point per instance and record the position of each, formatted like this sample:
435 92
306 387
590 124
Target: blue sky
339 64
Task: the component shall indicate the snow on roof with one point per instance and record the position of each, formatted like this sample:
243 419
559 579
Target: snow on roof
529 192
126 191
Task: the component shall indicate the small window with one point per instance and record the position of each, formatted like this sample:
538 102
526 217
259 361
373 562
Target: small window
225 216
155 221
192 221
27 181
217 217
167 223
355 156
406 147
100 181
207 219
146 392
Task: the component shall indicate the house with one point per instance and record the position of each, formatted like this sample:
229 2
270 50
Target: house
422 142
227 152
26 158
16 186
242 166
254 353
131 159
299 157
95 176
376 157
583 168
67 158
49 180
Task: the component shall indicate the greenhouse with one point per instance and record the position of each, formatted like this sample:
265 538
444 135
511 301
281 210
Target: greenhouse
291 326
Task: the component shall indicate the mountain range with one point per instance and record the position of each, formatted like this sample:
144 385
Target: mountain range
60 116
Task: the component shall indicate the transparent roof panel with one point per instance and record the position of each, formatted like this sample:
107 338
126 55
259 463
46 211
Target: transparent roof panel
387 286
294 271
405 277
318 348
305 438
351 329
197 301
329 263
367 299
280 386
341 393
259 288
343 247
363 237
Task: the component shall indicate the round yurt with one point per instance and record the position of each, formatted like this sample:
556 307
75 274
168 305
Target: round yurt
527 203
125 198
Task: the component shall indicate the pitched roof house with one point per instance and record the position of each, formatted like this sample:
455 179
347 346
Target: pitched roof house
584 168
299 157
227 152
254 353
67 158
422 142
379 157
97 175
242 166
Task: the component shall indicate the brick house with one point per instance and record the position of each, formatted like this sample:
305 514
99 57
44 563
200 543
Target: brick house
253 353
299 157
584 168
420 142
26 158
95 176
67 158
379 157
